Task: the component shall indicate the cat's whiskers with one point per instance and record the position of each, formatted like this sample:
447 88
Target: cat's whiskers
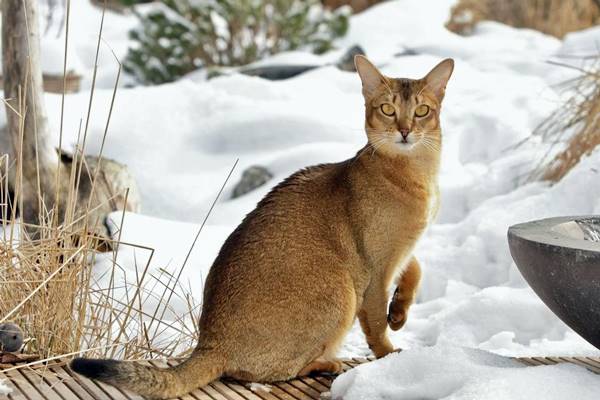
382 141
370 145
430 143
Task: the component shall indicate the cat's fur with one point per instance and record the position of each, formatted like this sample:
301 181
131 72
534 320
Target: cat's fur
319 250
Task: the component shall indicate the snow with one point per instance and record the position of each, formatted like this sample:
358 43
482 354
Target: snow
4 390
259 387
447 372
181 139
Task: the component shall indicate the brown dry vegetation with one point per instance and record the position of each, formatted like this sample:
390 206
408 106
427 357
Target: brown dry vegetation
554 17
574 126
54 288
50 288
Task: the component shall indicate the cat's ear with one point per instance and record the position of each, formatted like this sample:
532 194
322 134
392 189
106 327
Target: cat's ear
438 77
369 74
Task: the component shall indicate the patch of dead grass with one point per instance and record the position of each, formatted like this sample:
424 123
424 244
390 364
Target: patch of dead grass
553 17
574 128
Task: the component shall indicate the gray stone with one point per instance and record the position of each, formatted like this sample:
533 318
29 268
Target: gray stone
277 72
346 63
253 177
11 337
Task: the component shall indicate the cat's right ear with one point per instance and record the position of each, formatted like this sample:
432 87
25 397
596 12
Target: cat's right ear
369 74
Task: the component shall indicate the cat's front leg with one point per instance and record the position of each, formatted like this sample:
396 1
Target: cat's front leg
373 319
404 295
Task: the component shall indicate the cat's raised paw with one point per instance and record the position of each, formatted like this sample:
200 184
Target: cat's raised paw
397 320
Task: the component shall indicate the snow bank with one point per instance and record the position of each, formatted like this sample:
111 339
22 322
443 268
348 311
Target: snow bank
462 374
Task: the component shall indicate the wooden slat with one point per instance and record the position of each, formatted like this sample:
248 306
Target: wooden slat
20 382
52 381
213 393
225 391
37 382
57 382
241 390
69 382
310 391
589 360
543 360
293 391
314 384
17 393
325 381
87 384
526 361
280 393
570 361
264 394
588 364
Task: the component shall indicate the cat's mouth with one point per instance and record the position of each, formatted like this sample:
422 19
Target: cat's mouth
406 143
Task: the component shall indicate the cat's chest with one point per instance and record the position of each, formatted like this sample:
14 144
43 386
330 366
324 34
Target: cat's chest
403 213
416 203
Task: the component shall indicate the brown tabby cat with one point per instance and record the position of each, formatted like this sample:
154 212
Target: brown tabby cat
320 249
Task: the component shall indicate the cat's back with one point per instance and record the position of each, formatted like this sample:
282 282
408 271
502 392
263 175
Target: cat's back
287 250
300 205
302 217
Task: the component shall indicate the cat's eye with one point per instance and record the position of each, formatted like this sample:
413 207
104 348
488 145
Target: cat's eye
388 109
422 110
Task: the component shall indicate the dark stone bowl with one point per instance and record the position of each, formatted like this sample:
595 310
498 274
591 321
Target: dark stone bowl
560 259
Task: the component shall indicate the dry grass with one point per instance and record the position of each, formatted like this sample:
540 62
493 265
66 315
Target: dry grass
554 17
66 296
574 128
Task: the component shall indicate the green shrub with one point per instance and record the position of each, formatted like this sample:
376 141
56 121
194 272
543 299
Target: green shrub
178 36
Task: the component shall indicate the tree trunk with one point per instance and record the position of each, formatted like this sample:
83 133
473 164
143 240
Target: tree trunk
26 111
42 182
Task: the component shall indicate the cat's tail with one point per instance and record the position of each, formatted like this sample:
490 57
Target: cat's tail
155 383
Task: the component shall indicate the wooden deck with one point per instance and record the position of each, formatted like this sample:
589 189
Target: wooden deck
54 381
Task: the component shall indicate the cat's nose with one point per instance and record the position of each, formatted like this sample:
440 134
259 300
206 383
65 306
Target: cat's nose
404 132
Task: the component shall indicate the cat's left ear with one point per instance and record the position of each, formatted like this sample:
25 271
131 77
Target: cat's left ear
438 77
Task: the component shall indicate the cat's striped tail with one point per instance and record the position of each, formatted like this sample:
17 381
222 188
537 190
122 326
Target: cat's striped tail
154 383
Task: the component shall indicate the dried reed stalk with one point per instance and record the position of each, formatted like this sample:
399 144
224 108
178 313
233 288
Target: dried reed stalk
553 17
574 126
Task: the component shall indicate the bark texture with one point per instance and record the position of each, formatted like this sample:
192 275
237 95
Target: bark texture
44 182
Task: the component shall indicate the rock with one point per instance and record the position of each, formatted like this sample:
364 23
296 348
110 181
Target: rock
407 52
252 178
11 337
278 72
346 63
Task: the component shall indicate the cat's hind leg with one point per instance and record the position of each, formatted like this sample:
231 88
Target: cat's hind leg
404 295
327 362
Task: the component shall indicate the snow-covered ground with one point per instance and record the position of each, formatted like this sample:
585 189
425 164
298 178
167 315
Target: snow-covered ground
4 390
441 372
181 139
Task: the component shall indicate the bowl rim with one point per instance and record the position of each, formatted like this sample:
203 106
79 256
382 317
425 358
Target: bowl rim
541 231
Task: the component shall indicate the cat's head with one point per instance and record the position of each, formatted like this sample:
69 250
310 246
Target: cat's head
403 115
